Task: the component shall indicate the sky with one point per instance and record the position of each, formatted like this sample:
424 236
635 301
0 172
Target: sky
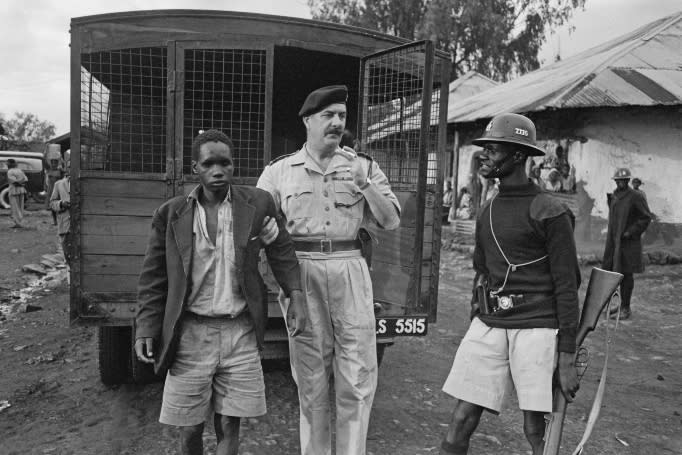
34 40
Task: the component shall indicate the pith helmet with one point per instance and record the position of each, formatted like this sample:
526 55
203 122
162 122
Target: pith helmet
622 173
511 129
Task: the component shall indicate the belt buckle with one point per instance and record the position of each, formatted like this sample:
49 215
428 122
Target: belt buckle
505 302
325 246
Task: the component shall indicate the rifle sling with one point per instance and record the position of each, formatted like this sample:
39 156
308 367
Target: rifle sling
601 389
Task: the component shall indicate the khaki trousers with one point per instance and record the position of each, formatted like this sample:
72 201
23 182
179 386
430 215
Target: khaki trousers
339 341
16 202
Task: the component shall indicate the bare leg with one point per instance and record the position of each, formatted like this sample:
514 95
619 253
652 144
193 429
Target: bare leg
191 442
534 429
465 418
227 434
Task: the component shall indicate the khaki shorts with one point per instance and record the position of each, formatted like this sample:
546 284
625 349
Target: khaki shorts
217 364
490 361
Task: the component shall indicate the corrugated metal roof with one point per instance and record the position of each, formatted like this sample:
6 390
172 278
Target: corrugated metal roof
642 68
389 116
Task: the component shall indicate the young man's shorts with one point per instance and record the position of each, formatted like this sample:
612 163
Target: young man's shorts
490 361
217 365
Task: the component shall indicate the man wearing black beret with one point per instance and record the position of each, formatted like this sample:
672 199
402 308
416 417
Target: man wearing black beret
327 193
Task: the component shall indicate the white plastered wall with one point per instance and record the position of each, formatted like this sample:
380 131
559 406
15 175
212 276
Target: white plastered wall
648 143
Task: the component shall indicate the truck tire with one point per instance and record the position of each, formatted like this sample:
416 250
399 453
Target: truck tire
114 354
4 198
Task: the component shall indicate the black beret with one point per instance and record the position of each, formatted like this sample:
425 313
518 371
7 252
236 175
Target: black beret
323 97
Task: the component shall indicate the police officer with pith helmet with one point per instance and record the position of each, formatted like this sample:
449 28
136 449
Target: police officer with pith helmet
326 193
629 217
525 304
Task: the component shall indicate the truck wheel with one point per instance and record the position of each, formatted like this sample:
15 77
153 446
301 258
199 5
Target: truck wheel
114 354
4 198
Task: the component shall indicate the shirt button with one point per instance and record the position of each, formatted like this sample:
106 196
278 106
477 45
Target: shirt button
326 179
326 209
295 194
328 223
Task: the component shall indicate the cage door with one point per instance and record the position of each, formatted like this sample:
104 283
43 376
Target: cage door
394 121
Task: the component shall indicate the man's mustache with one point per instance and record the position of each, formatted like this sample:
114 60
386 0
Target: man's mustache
334 131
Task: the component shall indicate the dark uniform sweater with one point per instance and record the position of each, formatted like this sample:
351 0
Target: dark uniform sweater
529 224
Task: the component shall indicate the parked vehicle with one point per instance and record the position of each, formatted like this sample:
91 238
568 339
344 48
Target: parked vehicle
32 164
143 84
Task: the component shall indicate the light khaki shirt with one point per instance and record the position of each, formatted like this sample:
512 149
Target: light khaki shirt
215 286
322 204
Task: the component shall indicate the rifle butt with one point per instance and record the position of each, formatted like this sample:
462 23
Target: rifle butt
555 424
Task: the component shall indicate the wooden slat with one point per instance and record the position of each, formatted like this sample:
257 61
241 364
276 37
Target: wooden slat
115 225
117 245
105 205
111 265
108 283
123 188
466 227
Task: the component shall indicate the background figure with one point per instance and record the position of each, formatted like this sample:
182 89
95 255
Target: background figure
636 183
535 177
53 172
60 203
448 197
567 178
553 182
17 192
629 217
464 206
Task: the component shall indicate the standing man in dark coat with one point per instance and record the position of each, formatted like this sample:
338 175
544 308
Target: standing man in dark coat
629 217
203 303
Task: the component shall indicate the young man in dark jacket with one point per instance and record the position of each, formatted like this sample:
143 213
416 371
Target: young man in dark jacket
203 303
526 315
629 217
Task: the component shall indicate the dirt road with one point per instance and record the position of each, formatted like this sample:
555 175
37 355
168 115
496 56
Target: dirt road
58 406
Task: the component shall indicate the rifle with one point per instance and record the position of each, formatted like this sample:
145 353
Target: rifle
600 290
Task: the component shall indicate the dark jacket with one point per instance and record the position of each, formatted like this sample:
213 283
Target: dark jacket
628 212
535 231
165 280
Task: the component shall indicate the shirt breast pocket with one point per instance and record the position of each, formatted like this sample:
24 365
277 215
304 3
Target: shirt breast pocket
297 201
348 200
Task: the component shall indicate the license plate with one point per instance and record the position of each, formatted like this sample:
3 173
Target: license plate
407 326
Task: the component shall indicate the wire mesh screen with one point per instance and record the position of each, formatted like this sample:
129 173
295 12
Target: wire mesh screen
391 127
123 110
225 90
437 154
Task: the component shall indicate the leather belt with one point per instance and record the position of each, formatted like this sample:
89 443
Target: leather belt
505 302
207 319
327 245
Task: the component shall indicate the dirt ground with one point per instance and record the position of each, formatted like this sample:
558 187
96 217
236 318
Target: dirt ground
57 405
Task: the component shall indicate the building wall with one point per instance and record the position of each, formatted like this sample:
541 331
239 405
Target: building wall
647 141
